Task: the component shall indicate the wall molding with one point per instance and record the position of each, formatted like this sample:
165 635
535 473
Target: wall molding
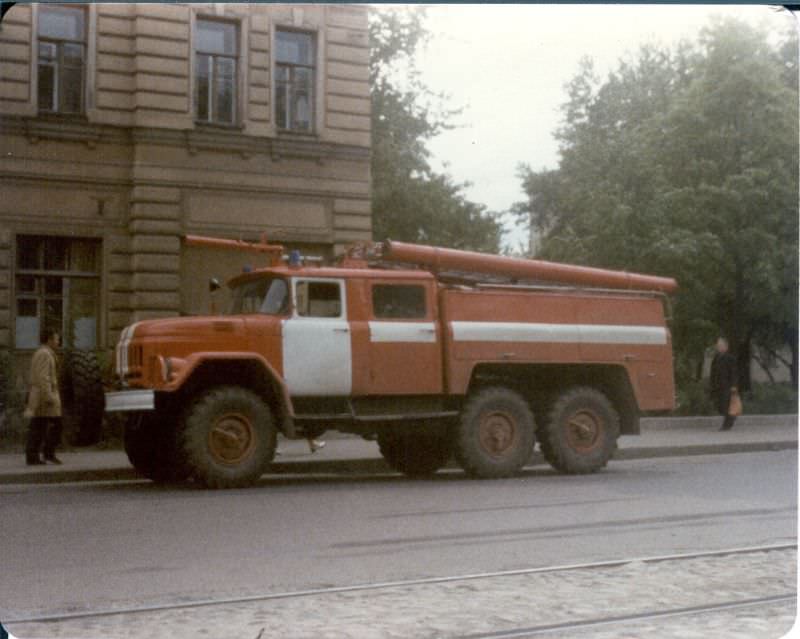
201 139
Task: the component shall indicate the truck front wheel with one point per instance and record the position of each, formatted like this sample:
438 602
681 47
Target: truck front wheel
228 438
581 432
414 454
495 435
152 447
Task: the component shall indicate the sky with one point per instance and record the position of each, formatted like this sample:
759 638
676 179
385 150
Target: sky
507 65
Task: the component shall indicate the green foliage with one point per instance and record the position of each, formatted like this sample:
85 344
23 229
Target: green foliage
693 399
771 399
12 425
410 201
685 163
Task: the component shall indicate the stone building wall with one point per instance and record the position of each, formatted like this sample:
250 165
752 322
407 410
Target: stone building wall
136 171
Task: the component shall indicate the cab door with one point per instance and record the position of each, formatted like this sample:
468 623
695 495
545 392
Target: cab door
404 339
317 357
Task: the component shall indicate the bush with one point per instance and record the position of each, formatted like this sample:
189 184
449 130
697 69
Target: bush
770 399
762 399
12 424
693 399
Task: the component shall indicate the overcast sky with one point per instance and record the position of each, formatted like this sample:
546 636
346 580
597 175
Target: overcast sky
507 66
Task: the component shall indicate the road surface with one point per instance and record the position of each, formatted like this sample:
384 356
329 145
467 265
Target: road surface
77 547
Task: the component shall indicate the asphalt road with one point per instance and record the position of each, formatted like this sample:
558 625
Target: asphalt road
97 546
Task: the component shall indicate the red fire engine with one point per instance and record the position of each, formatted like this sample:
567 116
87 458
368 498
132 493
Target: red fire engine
434 352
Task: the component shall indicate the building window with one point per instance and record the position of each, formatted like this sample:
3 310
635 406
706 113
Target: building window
216 63
58 287
62 58
294 81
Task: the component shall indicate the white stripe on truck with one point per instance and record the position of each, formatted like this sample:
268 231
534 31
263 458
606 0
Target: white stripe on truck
122 350
558 333
407 332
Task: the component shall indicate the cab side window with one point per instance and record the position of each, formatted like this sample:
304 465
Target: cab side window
398 301
318 299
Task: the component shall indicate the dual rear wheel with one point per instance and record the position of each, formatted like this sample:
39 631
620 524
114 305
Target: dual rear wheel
580 431
496 432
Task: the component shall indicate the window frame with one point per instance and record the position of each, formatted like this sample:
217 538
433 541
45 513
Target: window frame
87 50
319 280
40 294
405 317
313 86
238 61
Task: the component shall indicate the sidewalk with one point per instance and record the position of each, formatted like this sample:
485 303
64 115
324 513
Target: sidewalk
344 454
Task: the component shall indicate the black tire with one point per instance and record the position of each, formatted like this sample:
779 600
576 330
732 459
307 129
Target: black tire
495 434
151 444
581 431
82 398
229 437
414 454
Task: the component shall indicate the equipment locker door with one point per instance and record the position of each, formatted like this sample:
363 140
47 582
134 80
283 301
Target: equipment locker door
317 356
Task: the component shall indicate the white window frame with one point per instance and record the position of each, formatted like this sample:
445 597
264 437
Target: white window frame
324 280
240 87
316 102
89 63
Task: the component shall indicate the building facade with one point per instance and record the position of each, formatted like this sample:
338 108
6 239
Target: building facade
126 127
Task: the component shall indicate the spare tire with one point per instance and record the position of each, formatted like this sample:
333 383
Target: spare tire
83 401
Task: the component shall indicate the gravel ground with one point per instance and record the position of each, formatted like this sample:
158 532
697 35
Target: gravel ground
475 607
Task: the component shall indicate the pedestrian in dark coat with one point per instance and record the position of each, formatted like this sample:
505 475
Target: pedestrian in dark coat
44 402
724 382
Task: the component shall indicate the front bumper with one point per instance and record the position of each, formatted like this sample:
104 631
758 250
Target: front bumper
130 400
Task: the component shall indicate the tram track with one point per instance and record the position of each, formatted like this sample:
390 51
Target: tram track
532 631
318 592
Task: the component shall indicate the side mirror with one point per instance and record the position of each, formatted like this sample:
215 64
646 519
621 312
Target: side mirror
214 285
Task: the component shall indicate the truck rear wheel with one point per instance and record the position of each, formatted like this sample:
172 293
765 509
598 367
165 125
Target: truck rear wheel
581 432
495 435
152 448
229 437
414 454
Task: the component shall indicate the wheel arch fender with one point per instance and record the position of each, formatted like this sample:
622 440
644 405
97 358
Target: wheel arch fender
250 370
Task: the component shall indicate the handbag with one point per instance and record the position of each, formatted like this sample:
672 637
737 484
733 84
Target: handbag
735 406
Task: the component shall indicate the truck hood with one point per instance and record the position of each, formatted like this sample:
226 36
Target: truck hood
187 327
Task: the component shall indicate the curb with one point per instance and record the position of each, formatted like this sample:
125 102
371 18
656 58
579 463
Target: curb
713 421
376 465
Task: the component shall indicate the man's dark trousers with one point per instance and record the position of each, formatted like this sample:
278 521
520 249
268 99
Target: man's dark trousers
45 430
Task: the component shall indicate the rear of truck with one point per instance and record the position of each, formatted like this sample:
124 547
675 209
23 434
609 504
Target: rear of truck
587 363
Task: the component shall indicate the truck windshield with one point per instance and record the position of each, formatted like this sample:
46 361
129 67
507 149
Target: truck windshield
269 296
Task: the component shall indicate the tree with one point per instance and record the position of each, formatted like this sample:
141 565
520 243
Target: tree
410 201
685 163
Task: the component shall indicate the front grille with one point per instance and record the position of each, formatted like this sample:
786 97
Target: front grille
135 361
136 356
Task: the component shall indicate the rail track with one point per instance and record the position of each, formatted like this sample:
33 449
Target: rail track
532 631
522 632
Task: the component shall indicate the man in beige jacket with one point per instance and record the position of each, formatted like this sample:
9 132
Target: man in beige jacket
44 402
